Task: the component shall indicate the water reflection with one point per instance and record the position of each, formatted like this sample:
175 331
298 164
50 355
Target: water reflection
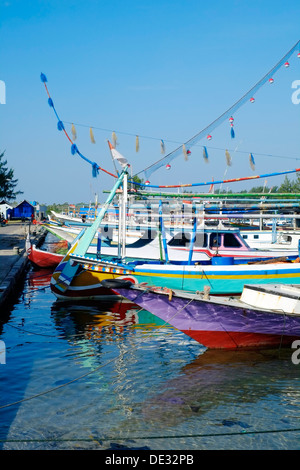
141 378
97 319
217 378
183 391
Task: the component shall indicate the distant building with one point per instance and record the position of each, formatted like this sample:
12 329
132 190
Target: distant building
87 211
24 210
39 210
4 208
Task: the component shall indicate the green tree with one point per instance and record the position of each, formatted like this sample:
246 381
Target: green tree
57 208
137 179
258 189
137 187
7 181
287 186
297 184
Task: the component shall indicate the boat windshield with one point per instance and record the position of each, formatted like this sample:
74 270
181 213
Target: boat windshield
203 240
180 239
184 239
231 241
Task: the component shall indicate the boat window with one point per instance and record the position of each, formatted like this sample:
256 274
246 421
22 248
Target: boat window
180 239
230 240
256 237
201 240
215 240
145 239
245 237
285 239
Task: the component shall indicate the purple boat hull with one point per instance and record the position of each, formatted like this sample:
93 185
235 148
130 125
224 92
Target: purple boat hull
216 324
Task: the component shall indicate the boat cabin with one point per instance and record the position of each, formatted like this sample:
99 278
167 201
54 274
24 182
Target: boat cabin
214 239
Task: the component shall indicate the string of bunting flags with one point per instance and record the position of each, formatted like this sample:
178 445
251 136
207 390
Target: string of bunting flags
184 148
61 127
114 136
207 131
186 152
168 167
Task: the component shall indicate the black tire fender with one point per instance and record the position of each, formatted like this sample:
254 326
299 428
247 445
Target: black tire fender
116 283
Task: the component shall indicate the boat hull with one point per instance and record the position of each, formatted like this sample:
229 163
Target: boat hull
222 280
43 259
84 286
216 325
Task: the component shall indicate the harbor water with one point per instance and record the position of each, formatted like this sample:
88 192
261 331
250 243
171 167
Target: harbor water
96 376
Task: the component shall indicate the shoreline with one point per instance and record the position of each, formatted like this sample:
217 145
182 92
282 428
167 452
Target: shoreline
13 256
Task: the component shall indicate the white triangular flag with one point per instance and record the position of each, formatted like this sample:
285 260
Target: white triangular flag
117 156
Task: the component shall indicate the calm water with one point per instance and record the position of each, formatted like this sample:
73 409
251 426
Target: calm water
98 376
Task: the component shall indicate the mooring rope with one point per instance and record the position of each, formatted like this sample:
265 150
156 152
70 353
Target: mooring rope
136 438
93 371
98 439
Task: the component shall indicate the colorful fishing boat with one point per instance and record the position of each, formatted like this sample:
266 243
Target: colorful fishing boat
223 279
44 258
283 240
264 316
79 275
208 242
198 243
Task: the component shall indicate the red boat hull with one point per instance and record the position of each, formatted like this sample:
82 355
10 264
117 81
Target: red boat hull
44 259
216 324
235 340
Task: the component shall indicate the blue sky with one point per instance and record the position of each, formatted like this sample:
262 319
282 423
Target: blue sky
158 69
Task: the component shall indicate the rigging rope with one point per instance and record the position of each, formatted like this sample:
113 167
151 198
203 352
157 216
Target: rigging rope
180 143
94 370
246 97
192 141
233 180
87 373
176 436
